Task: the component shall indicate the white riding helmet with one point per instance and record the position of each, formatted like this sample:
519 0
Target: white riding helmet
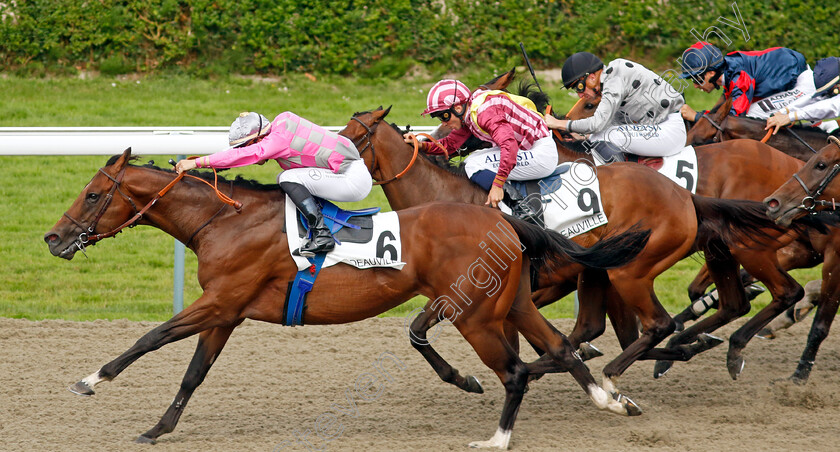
246 127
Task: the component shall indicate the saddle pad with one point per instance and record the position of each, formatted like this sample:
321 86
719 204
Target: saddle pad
681 168
573 203
383 250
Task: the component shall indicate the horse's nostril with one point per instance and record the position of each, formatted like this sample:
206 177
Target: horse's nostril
773 204
51 238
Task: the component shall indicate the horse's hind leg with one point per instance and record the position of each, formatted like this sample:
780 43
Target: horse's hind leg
210 345
198 317
417 334
561 357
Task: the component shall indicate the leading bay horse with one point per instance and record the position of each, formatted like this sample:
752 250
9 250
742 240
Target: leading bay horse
632 195
246 276
810 190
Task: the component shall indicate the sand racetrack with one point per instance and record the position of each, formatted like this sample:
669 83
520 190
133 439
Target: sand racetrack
271 383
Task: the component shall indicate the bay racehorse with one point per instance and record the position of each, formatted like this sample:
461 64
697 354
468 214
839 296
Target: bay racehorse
631 195
810 190
719 126
747 169
246 276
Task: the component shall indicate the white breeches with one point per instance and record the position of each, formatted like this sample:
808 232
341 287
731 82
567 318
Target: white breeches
353 184
800 93
654 140
534 163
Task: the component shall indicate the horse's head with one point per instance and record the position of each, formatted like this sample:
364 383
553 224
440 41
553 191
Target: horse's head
101 206
362 131
809 189
710 127
501 82
583 108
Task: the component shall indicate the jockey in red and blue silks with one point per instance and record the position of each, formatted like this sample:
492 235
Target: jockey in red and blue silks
759 82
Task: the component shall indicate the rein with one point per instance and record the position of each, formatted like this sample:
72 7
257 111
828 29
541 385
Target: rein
810 202
85 237
369 136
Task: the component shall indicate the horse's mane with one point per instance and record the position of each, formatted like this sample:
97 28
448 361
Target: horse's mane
239 181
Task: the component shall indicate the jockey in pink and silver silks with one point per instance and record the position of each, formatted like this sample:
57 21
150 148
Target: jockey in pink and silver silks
522 147
316 162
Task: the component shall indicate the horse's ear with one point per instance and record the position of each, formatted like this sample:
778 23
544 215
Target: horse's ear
380 113
124 158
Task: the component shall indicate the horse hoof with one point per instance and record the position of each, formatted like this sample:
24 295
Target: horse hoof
473 385
587 351
145 440
765 333
735 366
81 388
678 326
629 405
661 368
709 341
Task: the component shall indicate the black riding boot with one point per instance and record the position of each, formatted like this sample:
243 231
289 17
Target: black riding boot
321 240
609 152
520 206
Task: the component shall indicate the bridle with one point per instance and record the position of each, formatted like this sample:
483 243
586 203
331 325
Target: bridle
719 135
369 137
810 201
86 238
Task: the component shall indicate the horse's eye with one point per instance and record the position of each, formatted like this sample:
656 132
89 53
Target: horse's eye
821 165
92 197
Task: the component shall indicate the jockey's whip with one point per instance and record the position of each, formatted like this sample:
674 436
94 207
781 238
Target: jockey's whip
530 68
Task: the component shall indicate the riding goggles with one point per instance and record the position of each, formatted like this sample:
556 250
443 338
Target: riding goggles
444 115
580 85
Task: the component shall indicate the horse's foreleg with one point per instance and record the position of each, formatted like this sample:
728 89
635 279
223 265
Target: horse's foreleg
592 310
794 313
417 334
786 292
732 305
210 345
826 311
198 317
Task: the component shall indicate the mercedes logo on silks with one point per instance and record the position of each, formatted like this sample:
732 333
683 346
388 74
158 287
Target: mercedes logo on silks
314 174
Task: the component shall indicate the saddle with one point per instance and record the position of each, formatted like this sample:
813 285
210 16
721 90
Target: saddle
352 226
544 186
654 163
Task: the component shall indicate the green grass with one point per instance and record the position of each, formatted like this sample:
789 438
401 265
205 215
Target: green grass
130 276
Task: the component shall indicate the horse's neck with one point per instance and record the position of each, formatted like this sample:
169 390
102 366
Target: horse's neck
423 182
569 155
426 182
181 211
783 140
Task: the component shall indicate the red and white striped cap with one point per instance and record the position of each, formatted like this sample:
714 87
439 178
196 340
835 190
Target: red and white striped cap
445 94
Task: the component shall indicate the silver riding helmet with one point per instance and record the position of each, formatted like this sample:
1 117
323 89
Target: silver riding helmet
246 127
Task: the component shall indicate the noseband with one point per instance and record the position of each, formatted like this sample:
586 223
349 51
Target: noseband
810 201
85 237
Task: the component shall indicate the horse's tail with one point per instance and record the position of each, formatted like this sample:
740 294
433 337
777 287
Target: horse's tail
741 223
546 245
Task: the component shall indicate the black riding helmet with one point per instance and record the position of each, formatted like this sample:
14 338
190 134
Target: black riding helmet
578 65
